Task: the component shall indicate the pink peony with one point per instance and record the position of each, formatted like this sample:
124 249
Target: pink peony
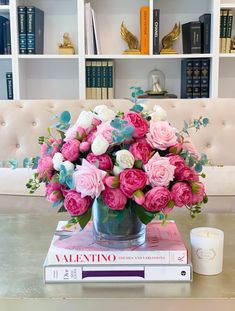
178 162
139 123
45 167
103 161
112 181
186 173
181 194
141 150
159 171
70 150
157 199
198 192
114 198
75 204
106 130
91 136
54 144
161 135
75 132
138 197
132 180
88 179
54 191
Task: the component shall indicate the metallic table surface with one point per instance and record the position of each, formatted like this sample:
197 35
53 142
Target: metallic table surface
24 242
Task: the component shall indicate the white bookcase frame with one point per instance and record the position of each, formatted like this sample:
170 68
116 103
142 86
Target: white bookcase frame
54 76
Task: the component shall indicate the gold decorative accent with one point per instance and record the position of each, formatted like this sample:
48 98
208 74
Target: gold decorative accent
167 41
66 47
130 39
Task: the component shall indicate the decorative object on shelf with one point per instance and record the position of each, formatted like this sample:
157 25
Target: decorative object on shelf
125 168
232 50
156 83
131 40
168 40
66 47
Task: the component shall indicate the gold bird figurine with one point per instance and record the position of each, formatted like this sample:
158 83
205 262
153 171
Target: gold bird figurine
130 39
168 40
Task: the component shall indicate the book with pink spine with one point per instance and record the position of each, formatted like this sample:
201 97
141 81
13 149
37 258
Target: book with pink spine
163 245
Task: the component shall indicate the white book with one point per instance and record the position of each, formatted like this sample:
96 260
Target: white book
96 32
89 32
132 273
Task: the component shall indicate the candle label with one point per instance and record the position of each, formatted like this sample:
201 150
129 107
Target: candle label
208 254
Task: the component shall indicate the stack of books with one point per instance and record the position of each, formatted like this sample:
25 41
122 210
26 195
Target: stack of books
74 257
5 36
31 30
195 78
91 31
226 25
4 2
99 79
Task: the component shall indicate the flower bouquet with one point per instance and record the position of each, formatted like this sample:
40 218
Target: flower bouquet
124 168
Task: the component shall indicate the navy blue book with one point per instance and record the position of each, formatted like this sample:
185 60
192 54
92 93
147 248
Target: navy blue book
22 29
186 78
9 81
205 77
196 78
2 40
7 37
205 21
191 33
156 18
35 30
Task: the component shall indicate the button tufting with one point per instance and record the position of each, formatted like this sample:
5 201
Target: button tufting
17 146
3 123
208 145
173 106
223 122
203 105
34 123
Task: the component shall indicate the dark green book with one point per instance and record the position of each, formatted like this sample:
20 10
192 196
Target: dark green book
88 80
196 78
186 78
205 77
110 72
22 29
2 40
229 31
224 19
104 79
35 30
9 82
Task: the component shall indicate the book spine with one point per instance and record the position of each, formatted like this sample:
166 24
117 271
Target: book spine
144 30
205 32
30 30
195 33
196 78
2 22
9 82
205 77
88 80
156 18
39 31
98 78
110 77
4 36
93 80
224 30
8 38
66 274
104 80
229 31
220 33
186 78
22 29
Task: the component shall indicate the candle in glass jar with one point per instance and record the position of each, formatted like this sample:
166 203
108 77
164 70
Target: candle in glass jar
207 250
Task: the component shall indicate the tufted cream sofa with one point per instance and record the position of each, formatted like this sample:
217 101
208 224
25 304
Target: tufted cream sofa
22 122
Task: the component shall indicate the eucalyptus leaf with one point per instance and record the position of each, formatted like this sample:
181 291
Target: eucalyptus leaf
65 117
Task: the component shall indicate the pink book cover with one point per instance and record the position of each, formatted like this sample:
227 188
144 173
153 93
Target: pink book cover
163 245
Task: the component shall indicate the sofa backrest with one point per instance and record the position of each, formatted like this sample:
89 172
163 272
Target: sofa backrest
22 122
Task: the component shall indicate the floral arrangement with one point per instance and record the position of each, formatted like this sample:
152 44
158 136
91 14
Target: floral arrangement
135 159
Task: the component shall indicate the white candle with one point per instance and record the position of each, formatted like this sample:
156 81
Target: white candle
207 250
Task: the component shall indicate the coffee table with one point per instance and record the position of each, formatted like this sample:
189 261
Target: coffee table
25 239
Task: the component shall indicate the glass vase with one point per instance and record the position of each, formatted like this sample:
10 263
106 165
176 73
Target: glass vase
116 229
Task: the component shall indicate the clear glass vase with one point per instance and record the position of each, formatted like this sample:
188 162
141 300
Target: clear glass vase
116 229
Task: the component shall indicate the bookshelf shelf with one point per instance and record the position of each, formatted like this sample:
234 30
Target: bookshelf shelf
5 57
4 8
227 5
174 56
48 56
227 55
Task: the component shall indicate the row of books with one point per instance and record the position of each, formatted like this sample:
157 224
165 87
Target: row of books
100 79
195 78
4 2
196 35
226 25
73 256
5 36
31 30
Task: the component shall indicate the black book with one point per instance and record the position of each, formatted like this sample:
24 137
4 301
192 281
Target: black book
205 77
196 78
156 18
7 37
35 30
186 78
9 82
205 21
191 37
2 40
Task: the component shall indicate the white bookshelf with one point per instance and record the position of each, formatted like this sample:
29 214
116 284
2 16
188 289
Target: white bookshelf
54 76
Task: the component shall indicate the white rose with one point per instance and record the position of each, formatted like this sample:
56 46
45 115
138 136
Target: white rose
100 145
103 113
69 166
85 119
125 159
57 160
159 114
117 170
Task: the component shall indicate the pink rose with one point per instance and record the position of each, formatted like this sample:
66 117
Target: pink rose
157 199
161 135
159 171
75 132
187 144
88 179
52 147
84 146
139 123
106 130
178 162
70 150
91 136
186 173
45 167
131 180
181 194
54 192
114 198
75 204
141 150
198 192
103 161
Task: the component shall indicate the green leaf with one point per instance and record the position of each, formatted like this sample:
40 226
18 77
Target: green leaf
198 167
205 199
144 216
171 204
62 209
65 117
26 163
84 219
138 164
205 121
195 188
13 164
